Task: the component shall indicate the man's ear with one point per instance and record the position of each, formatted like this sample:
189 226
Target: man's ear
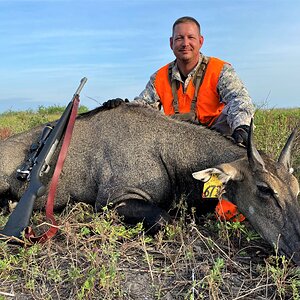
171 42
224 172
201 41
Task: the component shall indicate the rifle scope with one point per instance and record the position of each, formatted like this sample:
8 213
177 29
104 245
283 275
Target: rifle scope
23 173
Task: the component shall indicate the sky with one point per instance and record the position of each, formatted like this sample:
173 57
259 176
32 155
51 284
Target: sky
47 46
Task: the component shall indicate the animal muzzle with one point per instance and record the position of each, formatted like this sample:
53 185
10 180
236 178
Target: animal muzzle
289 239
291 251
296 257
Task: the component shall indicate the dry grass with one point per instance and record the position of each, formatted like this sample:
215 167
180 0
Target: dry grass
5 133
96 257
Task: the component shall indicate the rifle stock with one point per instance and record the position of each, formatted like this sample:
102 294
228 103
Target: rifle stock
20 217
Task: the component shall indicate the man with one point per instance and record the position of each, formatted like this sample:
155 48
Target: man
200 89
197 88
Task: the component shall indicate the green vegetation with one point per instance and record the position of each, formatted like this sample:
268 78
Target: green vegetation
273 126
14 122
95 256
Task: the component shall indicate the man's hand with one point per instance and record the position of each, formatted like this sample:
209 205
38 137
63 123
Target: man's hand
114 102
240 135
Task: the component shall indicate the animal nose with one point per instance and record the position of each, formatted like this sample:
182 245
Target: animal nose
296 253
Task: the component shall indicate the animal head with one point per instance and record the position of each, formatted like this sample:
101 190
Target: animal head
266 192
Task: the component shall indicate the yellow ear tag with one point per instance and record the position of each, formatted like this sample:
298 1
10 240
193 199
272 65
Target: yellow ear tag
212 187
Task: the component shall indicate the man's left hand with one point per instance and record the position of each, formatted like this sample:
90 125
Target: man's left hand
240 135
113 103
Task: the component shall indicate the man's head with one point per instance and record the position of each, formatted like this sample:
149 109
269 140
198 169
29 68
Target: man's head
186 20
186 40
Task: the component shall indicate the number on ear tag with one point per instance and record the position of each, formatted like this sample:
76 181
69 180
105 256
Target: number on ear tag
212 187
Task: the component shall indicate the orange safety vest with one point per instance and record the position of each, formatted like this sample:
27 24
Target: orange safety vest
208 106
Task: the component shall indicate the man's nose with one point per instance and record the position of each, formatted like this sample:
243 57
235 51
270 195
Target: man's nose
185 41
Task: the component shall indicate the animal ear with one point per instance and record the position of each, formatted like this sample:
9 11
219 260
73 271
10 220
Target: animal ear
224 172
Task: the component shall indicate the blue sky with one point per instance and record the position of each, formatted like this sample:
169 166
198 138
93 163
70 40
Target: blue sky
48 46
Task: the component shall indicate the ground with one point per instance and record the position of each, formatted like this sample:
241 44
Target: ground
97 257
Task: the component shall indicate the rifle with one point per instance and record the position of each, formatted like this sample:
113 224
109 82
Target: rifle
35 167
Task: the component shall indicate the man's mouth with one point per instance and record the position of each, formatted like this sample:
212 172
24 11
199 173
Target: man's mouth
184 50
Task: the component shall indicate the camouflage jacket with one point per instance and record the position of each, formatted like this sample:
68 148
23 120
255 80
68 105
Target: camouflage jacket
238 109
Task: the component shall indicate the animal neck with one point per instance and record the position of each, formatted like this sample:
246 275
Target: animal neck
195 147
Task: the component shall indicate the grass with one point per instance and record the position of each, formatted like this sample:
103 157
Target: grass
273 126
12 122
94 256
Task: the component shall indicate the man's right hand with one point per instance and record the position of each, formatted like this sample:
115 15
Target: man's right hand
240 135
112 103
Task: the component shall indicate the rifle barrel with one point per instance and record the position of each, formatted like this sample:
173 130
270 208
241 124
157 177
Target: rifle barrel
81 85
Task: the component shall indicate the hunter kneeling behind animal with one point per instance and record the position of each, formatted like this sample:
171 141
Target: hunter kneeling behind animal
199 89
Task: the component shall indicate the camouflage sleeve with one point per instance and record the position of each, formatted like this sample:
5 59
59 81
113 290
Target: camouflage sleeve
149 95
239 108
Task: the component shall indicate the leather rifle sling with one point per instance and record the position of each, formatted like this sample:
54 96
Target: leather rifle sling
29 233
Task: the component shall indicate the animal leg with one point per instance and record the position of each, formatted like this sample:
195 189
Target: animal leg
134 211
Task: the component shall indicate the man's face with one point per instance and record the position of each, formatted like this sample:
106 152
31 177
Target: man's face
186 42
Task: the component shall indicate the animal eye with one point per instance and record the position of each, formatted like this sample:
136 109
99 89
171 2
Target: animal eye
267 193
265 190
